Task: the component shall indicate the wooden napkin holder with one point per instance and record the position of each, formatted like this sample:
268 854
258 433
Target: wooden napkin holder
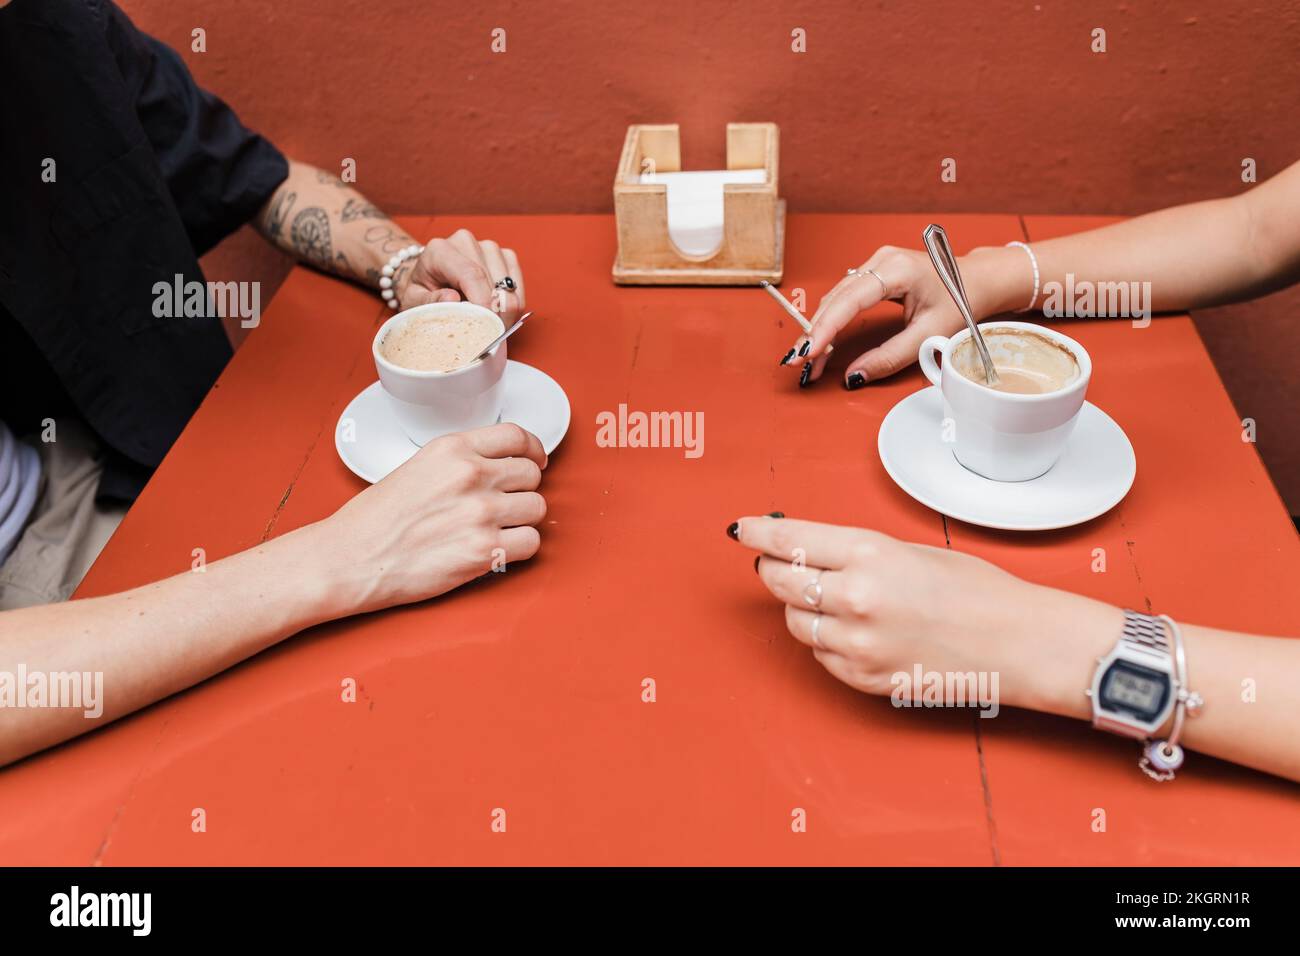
753 241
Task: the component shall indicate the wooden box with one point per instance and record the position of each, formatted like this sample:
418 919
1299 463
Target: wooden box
753 227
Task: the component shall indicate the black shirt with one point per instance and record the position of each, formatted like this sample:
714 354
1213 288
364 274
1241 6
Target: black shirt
117 173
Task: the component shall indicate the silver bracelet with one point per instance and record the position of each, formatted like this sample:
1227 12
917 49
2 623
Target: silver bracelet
1033 261
390 269
1162 758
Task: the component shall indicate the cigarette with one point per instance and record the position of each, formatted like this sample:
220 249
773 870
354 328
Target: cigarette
794 313
785 304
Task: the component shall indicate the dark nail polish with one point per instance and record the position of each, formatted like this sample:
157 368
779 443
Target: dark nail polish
805 348
757 559
856 381
776 514
805 375
788 355
733 531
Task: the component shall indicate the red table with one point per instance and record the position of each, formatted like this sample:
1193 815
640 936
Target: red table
524 693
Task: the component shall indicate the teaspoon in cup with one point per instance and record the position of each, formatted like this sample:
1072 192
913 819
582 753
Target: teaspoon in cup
945 263
503 336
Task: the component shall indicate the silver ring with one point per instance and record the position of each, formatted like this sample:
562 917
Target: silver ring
884 286
814 600
506 283
816 630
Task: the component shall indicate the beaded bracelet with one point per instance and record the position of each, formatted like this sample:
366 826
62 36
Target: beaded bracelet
386 274
1033 261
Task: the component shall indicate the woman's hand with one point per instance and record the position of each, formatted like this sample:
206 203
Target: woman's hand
906 275
462 267
888 605
461 506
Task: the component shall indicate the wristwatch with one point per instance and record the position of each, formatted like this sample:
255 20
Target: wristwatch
1133 688
1139 684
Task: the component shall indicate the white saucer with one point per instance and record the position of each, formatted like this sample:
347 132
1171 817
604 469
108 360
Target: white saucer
533 400
1093 475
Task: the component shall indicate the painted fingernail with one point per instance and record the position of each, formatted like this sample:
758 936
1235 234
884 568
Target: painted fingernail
757 558
805 348
788 355
856 381
805 375
776 514
733 531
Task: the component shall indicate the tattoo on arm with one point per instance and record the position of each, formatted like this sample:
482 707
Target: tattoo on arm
319 233
360 209
390 242
310 235
278 212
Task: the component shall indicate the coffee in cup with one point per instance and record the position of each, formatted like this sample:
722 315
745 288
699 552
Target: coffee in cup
441 341
426 356
1018 430
1027 363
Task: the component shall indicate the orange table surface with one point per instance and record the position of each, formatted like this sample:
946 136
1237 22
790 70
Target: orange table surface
524 692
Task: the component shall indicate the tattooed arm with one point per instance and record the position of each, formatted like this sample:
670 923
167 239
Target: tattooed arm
325 223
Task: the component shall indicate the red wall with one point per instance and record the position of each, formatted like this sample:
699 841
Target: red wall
1036 121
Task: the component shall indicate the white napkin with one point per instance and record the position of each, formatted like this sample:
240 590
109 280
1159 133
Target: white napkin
695 205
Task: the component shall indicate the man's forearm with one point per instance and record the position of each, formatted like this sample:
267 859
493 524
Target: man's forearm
159 639
322 221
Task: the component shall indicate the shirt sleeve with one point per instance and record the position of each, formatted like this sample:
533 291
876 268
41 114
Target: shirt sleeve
218 171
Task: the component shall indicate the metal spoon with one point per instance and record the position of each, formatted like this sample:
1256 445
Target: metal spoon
503 336
945 263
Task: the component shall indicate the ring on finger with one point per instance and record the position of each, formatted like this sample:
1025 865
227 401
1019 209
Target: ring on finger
812 592
505 282
884 286
868 271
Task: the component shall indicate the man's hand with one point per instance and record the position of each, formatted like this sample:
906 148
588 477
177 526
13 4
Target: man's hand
462 506
462 267
463 502
325 223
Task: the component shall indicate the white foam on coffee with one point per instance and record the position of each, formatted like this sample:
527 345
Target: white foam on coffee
440 343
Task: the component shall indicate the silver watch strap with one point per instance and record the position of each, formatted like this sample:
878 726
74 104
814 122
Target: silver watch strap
1146 633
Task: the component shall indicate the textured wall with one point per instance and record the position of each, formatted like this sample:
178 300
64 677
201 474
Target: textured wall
437 122
1011 90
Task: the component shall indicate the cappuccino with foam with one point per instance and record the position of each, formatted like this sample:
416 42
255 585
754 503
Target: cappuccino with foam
440 341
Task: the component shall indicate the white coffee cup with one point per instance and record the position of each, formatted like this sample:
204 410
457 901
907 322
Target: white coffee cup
1003 435
428 404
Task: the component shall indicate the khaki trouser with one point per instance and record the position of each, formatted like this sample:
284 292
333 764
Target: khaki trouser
66 530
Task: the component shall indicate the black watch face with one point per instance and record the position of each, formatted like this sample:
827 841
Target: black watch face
1135 690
